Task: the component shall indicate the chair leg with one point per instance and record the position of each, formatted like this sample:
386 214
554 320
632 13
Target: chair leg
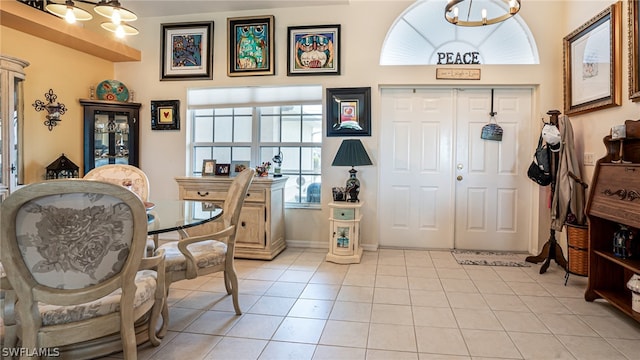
231 281
165 310
128 335
156 311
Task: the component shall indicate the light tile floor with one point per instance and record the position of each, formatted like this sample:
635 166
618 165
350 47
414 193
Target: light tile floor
395 304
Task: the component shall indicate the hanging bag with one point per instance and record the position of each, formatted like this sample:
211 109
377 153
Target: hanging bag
540 168
492 131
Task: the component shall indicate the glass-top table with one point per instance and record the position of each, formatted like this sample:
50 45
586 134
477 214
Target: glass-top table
172 215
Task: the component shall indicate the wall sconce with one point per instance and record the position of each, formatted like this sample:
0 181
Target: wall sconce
53 108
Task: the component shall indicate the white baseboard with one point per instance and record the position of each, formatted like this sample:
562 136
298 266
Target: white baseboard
306 244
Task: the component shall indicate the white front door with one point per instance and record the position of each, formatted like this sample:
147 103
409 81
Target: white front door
441 185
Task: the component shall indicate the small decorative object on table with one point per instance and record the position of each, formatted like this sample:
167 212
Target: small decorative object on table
339 194
263 170
277 171
624 245
634 286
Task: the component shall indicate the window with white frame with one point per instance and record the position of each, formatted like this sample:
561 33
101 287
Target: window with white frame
256 132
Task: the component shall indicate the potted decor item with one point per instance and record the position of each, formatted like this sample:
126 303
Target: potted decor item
263 170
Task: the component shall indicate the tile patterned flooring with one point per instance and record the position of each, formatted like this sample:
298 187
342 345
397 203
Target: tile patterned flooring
395 304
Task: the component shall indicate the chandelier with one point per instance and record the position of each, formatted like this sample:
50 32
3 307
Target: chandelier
464 13
110 9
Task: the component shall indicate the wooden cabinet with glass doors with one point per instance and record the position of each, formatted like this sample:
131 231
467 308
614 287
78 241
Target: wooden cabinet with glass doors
12 78
110 133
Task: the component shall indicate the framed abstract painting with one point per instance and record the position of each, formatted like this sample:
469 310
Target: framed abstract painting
348 111
251 46
187 51
313 50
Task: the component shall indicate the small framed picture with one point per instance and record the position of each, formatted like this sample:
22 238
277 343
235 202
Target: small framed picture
165 114
222 169
251 45
237 167
349 111
187 51
208 167
313 50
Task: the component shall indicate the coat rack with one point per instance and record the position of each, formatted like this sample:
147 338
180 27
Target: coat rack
551 249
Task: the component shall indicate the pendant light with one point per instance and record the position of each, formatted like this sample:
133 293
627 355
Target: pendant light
69 11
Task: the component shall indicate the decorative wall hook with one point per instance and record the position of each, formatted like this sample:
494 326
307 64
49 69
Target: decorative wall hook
53 108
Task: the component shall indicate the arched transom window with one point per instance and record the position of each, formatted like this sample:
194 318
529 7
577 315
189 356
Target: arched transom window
422 36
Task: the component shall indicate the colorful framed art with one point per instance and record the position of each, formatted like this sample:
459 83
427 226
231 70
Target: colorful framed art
313 50
592 63
187 51
165 114
251 46
348 111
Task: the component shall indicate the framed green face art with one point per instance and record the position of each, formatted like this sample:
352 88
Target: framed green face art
251 46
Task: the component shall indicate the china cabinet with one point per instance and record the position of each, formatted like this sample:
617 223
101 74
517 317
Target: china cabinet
110 133
261 231
12 78
344 233
614 204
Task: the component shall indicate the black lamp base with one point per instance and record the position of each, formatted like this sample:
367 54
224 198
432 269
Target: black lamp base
353 186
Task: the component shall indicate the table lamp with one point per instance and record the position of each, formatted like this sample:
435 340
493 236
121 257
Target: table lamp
352 153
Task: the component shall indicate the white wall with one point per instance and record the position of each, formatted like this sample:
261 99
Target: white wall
364 26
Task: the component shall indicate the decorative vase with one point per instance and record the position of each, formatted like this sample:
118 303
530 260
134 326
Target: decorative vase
634 286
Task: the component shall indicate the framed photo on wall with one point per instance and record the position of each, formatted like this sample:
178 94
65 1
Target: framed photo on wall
634 52
313 50
187 51
592 63
251 45
165 114
348 111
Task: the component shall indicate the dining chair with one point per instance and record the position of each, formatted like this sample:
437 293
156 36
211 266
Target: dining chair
209 248
7 313
130 177
73 253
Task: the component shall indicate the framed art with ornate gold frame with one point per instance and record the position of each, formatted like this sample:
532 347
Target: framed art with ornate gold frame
634 55
592 63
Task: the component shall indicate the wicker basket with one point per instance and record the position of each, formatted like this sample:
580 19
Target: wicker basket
578 249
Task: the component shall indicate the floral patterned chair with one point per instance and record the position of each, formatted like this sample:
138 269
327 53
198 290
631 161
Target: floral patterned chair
209 248
7 318
130 177
73 253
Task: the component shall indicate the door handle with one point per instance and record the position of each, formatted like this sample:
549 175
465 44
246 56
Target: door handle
459 178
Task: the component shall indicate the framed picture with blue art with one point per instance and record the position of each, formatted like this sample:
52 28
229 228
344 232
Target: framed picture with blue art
313 50
187 51
251 46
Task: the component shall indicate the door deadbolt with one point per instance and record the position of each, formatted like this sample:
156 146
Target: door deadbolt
459 178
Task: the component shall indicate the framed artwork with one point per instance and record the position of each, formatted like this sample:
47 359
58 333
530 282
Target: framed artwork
634 52
208 206
592 63
237 167
222 169
251 45
208 167
187 51
313 50
348 111
165 114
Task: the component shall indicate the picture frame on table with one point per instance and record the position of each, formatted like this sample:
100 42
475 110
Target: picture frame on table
251 45
208 167
165 114
634 51
313 50
348 111
237 167
222 169
592 63
186 51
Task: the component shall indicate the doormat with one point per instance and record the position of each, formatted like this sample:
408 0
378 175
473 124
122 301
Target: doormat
490 258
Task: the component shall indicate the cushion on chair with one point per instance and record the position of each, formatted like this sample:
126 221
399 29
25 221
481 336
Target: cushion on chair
56 315
207 253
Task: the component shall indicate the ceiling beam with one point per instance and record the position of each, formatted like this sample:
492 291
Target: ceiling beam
29 20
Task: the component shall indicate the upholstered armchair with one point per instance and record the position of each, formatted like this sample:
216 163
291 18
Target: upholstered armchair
73 253
130 177
209 247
